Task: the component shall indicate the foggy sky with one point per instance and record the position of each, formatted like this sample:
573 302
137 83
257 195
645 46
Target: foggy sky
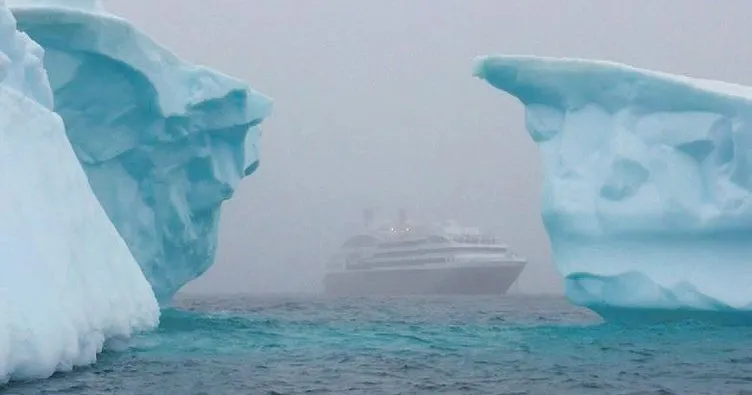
375 105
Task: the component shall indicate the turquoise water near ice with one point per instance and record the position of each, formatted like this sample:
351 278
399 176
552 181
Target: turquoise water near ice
420 345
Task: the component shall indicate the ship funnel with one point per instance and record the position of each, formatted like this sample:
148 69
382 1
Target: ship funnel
368 218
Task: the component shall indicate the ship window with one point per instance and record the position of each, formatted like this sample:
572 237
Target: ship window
371 264
408 243
442 250
437 239
360 241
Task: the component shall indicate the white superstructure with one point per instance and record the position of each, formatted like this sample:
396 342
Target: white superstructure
443 256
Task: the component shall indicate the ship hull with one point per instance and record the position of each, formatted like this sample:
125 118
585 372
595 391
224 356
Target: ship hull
464 280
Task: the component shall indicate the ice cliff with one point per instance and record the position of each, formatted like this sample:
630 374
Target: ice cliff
647 193
162 142
116 157
68 282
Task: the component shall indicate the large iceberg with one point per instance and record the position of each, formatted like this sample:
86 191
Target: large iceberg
647 195
68 282
162 142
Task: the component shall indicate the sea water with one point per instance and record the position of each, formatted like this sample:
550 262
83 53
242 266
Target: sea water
414 345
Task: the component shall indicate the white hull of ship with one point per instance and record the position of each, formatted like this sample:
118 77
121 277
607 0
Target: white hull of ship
468 279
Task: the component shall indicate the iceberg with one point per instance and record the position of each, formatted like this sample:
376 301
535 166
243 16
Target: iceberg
647 190
69 282
163 142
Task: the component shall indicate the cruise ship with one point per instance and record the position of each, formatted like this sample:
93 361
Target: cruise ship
403 258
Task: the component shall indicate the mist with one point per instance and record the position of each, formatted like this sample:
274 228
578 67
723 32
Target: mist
376 106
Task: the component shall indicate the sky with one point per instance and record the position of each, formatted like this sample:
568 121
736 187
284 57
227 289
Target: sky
375 106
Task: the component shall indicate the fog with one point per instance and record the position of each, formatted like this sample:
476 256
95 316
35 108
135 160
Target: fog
376 106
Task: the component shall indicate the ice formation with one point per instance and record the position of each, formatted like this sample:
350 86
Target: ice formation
162 142
647 193
69 282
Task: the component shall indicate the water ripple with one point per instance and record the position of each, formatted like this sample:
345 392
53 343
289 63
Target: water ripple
245 345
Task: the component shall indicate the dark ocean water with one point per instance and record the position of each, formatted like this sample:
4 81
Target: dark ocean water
469 345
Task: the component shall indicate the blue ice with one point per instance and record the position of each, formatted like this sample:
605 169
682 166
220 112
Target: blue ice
163 142
117 157
647 189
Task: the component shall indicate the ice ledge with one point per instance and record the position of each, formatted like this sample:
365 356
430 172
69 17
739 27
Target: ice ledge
570 83
92 30
632 298
94 6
